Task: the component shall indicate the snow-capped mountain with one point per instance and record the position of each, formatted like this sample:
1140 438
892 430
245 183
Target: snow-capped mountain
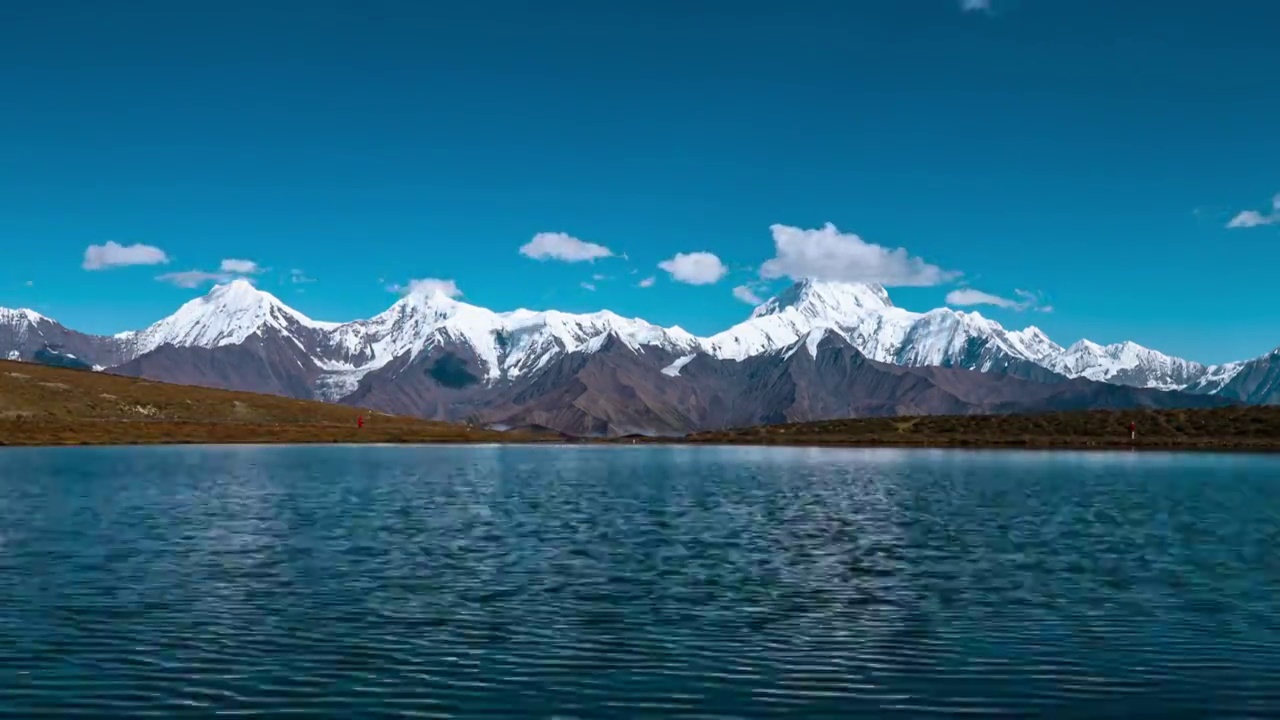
509 345
228 315
332 358
17 327
1217 377
884 332
1125 363
1255 381
610 388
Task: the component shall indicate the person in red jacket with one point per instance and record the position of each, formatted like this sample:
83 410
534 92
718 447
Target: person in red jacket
360 421
1133 430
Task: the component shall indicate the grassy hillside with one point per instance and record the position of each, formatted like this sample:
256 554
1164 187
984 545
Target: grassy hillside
1237 428
42 405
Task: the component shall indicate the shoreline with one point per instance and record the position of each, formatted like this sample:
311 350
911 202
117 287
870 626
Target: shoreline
253 435
1013 446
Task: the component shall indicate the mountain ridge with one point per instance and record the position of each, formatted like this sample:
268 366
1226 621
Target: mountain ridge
231 312
440 357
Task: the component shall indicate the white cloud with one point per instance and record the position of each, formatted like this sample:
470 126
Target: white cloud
1250 218
747 295
1253 218
970 296
828 254
696 268
975 5
238 266
647 282
564 247
193 278
427 286
29 283
599 276
297 276
113 254
588 286
229 269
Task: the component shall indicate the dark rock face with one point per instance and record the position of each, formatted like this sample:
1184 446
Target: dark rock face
442 383
54 357
269 365
451 371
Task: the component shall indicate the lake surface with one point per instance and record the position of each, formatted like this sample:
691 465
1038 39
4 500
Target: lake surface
365 582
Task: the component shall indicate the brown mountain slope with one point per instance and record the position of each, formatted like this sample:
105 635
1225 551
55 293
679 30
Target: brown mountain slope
441 383
42 405
619 391
270 365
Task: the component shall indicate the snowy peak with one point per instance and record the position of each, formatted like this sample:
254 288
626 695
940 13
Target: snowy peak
20 327
1033 344
953 338
433 302
1086 352
863 312
228 314
415 322
827 300
507 345
1126 363
21 316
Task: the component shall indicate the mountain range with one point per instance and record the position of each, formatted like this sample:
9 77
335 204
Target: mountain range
817 350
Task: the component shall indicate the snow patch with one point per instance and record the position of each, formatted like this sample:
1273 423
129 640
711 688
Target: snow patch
673 369
813 340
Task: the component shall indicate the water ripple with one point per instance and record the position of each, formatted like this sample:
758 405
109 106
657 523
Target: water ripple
595 582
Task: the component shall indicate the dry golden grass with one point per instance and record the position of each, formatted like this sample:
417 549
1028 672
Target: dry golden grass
1239 428
54 406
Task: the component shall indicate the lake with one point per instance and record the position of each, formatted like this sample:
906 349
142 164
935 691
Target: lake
591 582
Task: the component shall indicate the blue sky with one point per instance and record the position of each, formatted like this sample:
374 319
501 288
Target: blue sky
1089 153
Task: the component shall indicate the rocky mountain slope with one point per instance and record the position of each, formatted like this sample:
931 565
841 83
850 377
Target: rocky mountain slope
615 390
1256 381
24 333
438 357
1125 364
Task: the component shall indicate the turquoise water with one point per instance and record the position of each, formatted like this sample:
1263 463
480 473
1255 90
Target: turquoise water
366 582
